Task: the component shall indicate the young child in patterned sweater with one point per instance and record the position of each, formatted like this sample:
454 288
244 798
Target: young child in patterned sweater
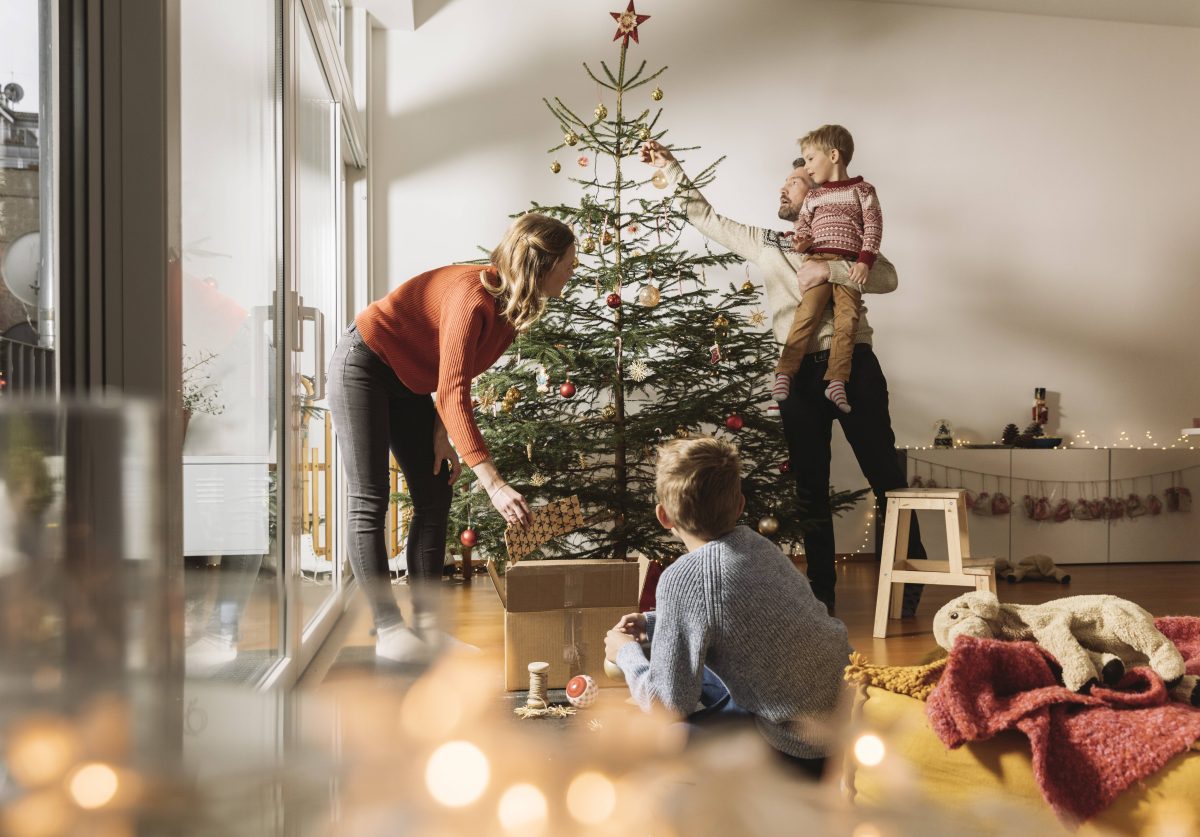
735 607
840 219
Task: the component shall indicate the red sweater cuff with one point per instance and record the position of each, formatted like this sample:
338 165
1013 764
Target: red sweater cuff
867 258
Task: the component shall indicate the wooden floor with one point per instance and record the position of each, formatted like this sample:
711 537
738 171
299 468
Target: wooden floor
476 616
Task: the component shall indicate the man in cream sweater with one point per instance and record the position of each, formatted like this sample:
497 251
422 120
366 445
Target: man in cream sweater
807 415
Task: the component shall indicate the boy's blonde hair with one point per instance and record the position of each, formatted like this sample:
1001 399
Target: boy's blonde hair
699 484
529 250
829 137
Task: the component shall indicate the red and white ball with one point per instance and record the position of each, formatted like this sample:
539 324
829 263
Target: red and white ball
582 691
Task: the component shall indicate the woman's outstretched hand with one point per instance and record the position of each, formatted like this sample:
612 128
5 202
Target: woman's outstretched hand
511 505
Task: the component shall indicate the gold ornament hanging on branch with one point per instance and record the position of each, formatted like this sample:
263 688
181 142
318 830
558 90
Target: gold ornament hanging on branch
570 138
601 111
556 167
589 245
656 94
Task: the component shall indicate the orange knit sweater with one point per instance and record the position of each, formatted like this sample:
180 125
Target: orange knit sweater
437 331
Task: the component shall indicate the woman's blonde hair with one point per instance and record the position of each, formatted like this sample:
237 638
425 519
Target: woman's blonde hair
529 250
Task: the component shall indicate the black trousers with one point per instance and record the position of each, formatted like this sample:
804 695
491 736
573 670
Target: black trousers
374 413
808 418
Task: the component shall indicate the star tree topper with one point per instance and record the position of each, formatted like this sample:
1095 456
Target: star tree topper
628 22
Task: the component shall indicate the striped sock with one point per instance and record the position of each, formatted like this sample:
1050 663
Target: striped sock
782 388
836 392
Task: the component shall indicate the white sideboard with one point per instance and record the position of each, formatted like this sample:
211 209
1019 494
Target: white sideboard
1071 473
225 505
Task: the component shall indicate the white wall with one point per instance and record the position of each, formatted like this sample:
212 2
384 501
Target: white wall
1037 174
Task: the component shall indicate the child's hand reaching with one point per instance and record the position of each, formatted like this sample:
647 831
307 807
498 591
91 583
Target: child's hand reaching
800 244
858 274
614 641
633 624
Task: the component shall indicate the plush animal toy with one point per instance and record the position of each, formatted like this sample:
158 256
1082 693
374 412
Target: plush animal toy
1037 568
1084 634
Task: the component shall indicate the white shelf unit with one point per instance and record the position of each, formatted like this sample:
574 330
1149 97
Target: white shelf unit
1093 473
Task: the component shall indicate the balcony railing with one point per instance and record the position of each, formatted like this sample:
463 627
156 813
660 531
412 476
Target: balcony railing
25 370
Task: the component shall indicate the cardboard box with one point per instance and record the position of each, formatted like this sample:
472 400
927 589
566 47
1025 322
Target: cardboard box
558 612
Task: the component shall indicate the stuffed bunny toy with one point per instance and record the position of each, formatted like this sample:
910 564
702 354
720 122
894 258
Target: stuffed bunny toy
1037 567
1085 634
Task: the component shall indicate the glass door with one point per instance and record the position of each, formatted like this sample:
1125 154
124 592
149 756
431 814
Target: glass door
320 281
232 274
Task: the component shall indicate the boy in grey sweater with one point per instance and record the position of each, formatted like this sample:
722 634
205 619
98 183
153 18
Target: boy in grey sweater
736 605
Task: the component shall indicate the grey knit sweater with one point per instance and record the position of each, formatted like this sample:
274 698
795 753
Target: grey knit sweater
738 606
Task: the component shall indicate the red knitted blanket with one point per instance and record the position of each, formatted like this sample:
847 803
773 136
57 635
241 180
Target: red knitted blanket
1086 749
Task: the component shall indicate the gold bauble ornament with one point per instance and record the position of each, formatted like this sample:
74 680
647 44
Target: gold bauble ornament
649 295
720 323
506 406
589 245
606 239
656 94
768 526
747 287
570 137
513 394
659 179
609 412
643 133
681 432
601 111
556 167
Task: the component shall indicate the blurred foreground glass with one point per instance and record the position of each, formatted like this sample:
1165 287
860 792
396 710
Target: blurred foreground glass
83 590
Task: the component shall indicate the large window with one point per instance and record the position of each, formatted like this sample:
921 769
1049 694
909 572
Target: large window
27 211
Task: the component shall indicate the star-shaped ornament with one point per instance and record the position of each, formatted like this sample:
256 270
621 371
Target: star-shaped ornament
628 22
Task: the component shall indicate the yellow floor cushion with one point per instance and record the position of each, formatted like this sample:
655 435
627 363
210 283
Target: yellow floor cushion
1001 767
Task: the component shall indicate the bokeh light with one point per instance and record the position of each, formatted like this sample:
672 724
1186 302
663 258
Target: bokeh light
869 750
457 774
591 798
93 785
42 749
522 809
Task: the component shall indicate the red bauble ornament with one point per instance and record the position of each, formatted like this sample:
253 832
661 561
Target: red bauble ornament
785 467
734 422
469 537
567 389
614 300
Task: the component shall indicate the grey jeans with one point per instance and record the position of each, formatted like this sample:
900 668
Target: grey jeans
374 413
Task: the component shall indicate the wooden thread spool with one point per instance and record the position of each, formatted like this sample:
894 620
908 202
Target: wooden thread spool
538 673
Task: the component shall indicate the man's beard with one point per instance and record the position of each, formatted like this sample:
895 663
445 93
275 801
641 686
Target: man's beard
787 212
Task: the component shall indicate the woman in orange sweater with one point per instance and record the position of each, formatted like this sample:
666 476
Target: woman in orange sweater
434 333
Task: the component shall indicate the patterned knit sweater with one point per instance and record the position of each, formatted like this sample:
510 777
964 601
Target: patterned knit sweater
738 606
437 331
842 217
772 252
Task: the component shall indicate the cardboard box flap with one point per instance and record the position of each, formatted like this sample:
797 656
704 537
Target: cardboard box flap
551 585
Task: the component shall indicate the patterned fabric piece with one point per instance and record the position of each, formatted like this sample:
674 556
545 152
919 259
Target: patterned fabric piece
549 521
842 218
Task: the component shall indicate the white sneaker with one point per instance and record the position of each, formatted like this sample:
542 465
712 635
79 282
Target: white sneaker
441 641
401 645
207 654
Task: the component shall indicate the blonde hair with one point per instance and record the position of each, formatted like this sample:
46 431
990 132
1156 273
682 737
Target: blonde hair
829 137
699 484
529 250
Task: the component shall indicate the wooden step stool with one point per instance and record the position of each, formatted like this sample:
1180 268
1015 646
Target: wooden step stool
895 567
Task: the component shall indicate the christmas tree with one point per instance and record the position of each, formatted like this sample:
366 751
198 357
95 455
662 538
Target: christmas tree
639 349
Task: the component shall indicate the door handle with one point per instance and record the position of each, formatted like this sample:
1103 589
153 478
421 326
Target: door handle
317 318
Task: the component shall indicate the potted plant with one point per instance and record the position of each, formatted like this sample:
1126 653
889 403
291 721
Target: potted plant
199 394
